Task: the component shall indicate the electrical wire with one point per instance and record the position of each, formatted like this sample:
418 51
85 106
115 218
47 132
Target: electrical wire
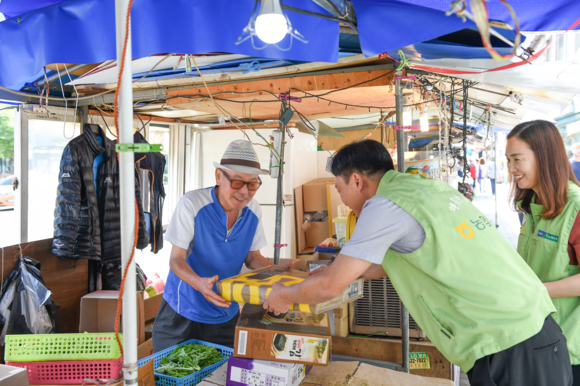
108 129
76 101
65 107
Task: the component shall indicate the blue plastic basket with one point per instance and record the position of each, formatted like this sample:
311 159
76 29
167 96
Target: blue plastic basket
192 379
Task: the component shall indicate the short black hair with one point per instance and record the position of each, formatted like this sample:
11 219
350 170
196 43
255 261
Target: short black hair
367 157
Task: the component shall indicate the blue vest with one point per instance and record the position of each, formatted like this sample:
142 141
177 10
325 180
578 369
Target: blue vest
212 253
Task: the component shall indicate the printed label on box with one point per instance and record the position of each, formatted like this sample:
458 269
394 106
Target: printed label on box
242 342
419 361
256 378
299 348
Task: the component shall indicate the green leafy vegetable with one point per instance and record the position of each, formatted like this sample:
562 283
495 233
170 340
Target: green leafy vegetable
188 359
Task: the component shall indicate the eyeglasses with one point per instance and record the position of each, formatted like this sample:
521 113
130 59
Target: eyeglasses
238 184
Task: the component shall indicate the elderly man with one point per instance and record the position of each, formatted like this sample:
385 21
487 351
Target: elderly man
214 231
477 300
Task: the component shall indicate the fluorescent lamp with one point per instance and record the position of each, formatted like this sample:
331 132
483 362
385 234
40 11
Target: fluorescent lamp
407 117
271 24
424 119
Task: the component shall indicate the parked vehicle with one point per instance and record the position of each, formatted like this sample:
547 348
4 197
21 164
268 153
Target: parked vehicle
6 193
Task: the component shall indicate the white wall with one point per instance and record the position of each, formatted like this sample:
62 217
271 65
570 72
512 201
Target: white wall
300 167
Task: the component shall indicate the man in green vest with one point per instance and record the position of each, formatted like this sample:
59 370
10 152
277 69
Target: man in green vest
467 288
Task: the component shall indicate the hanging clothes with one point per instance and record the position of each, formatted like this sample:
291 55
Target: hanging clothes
87 215
153 166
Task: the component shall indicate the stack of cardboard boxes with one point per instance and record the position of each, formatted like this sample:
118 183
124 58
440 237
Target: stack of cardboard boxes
98 311
318 196
278 349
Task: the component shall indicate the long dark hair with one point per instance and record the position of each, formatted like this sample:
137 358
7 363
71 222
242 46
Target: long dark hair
552 164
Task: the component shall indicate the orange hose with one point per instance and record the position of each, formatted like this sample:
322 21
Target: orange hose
116 112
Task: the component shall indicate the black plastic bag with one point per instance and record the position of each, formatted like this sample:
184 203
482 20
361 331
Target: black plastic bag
112 275
26 306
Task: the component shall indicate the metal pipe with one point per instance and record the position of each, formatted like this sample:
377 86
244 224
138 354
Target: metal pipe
127 192
401 147
279 194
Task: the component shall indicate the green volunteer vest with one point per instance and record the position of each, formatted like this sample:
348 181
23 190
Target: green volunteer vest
466 287
544 246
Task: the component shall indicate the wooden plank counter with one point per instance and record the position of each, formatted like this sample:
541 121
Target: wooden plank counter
390 350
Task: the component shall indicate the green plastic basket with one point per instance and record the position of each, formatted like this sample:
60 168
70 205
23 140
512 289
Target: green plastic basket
61 347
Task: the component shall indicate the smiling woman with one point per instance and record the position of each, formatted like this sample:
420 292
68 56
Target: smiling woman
546 189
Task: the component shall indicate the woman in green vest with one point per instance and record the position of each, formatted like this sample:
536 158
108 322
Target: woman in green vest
547 191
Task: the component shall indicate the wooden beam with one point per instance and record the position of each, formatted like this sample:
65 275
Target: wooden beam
327 82
145 118
258 125
265 106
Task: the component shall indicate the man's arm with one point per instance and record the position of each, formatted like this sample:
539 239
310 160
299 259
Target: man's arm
318 288
375 271
255 260
179 266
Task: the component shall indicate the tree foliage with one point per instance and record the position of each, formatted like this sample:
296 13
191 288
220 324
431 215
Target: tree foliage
6 134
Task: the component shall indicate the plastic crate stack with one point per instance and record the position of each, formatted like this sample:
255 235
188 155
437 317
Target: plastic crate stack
65 359
192 379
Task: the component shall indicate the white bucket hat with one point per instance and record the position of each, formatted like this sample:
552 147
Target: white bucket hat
240 157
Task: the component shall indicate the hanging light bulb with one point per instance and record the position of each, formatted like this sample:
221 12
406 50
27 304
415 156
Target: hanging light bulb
407 117
424 119
271 24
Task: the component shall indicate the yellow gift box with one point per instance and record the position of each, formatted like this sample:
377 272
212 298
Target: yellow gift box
254 287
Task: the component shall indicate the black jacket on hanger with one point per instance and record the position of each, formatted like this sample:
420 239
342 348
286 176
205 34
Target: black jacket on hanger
153 165
87 222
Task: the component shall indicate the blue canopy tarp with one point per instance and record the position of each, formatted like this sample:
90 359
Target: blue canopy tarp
83 31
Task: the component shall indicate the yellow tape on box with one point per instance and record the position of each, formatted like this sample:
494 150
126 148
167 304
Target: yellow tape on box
255 286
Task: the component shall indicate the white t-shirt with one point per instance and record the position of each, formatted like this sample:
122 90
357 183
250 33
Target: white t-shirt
181 228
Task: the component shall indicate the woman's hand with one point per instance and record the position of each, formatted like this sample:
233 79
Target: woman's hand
205 286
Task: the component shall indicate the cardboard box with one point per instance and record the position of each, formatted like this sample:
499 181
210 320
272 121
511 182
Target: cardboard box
98 311
145 375
151 307
255 286
297 337
341 322
314 196
315 264
145 349
13 376
251 372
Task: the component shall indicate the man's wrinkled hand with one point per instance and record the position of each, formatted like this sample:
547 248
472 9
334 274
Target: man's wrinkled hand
275 302
205 286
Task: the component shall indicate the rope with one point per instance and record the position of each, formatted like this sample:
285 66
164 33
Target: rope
116 109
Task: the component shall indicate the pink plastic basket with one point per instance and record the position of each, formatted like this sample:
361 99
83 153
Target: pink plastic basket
69 372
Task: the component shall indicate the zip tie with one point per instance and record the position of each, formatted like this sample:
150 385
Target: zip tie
280 245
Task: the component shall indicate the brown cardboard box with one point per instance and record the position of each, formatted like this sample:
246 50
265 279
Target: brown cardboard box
145 374
314 196
151 307
145 349
253 288
297 337
13 376
99 309
341 321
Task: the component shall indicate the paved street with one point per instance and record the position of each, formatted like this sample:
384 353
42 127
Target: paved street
507 218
